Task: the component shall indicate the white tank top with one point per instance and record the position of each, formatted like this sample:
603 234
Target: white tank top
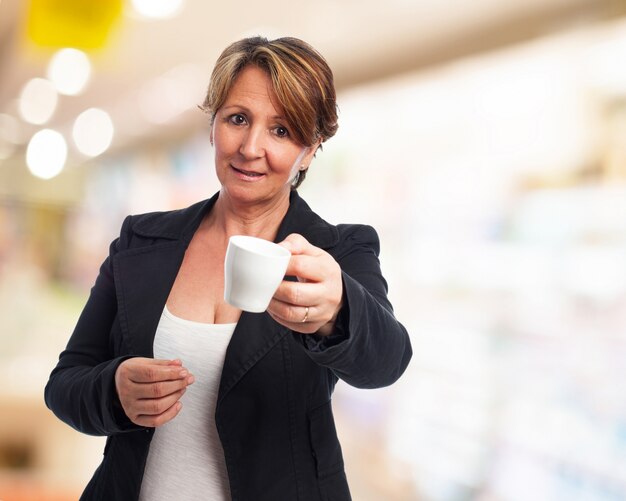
186 459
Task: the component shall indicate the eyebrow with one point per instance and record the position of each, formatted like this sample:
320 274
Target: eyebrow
247 110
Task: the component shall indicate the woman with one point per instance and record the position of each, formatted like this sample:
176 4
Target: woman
199 400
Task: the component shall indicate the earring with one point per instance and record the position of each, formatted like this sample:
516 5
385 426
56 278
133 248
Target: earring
303 167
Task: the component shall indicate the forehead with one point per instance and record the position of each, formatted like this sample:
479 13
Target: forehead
253 86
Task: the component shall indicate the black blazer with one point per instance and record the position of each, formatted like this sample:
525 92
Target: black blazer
273 415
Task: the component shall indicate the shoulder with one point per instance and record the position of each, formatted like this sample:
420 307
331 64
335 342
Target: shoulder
172 224
358 232
335 238
167 224
142 229
355 236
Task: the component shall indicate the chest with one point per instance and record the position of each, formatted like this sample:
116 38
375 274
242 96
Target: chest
198 290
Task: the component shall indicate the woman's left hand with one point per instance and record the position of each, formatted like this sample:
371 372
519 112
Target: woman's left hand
310 305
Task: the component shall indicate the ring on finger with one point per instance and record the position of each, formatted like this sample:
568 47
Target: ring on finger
306 314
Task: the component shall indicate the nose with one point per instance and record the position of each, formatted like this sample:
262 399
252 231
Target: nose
253 143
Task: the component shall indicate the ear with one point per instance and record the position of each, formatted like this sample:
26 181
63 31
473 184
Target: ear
308 158
211 140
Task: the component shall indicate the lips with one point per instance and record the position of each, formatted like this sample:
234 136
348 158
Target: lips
247 173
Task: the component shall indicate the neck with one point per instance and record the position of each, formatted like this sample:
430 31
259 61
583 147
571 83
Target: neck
257 220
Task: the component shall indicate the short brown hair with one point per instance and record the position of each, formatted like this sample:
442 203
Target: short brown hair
301 78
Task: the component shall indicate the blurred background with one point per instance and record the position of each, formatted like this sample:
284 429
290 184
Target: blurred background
485 140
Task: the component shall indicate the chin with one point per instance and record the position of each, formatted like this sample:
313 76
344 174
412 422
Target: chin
251 195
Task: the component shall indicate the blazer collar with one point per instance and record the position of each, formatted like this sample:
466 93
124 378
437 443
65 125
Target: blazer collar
182 224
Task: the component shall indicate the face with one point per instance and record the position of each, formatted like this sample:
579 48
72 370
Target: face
256 157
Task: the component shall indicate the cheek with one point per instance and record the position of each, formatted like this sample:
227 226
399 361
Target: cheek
283 161
224 144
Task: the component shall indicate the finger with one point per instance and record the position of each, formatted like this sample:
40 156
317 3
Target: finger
160 388
291 314
310 268
297 244
161 419
161 361
136 363
156 406
303 328
141 361
149 373
299 293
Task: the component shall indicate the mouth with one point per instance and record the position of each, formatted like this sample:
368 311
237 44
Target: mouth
247 174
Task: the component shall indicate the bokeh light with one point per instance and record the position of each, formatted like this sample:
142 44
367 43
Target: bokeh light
93 132
70 71
163 99
38 101
46 154
9 135
158 9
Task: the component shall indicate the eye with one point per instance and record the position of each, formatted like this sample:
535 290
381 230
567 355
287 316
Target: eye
281 131
237 119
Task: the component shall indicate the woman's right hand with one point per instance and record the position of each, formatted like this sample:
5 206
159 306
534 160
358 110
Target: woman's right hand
150 390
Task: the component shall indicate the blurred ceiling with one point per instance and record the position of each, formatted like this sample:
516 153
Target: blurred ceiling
363 40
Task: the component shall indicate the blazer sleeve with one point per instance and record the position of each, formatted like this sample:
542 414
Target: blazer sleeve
81 389
369 348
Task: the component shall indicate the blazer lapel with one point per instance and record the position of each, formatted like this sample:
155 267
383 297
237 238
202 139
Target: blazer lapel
255 335
145 277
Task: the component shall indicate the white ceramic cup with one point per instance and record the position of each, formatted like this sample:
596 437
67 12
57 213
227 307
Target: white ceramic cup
253 270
